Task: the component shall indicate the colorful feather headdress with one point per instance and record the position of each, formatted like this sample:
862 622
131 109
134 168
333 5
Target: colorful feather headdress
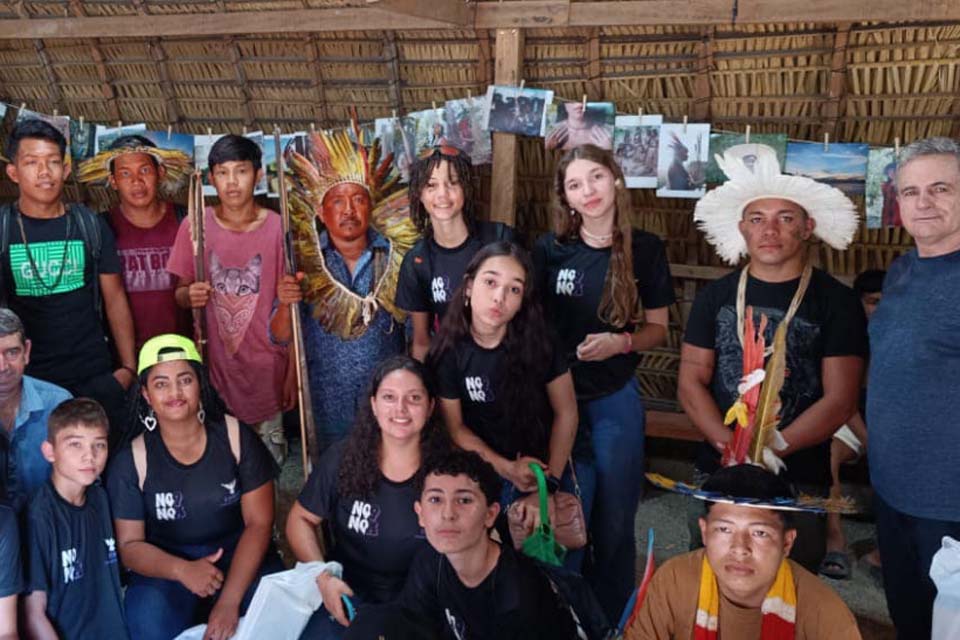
719 212
177 166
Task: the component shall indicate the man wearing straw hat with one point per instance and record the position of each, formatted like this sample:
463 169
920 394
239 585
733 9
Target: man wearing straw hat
770 217
145 226
913 402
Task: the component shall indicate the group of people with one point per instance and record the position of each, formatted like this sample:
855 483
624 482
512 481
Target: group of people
516 360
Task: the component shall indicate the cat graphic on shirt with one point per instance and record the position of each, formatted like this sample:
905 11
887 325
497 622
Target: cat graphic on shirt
236 291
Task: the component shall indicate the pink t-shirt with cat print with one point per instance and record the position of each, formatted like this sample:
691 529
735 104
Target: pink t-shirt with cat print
242 267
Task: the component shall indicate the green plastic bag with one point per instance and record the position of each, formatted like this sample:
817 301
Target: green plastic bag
541 544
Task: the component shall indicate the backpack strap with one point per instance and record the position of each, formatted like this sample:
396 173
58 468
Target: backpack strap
5 218
233 435
90 232
139 449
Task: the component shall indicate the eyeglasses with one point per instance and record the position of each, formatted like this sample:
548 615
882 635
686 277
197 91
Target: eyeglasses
443 150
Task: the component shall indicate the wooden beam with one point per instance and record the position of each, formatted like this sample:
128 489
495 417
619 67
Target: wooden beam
530 13
456 13
391 57
484 68
672 425
320 107
106 89
159 57
834 107
594 66
509 71
237 60
139 6
54 86
702 89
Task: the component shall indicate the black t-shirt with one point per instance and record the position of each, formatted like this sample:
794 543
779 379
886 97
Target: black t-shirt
73 558
57 309
476 376
571 277
190 504
375 537
11 576
515 601
829 322
430 273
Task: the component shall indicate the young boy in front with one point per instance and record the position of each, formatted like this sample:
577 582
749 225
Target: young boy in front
73 584
243 258
467 586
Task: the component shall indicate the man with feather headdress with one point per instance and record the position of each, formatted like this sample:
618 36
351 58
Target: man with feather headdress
774 352
348 272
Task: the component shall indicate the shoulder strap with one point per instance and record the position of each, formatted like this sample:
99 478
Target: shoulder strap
5 216
233 435
139 449
90 232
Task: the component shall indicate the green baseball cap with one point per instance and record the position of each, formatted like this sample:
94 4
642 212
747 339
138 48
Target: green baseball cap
174 347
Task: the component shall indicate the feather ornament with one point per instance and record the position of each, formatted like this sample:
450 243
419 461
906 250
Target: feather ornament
767 417
177 167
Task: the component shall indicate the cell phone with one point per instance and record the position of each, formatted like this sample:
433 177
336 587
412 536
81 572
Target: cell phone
348 606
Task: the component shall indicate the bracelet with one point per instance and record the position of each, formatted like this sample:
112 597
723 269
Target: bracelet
131 370
629 347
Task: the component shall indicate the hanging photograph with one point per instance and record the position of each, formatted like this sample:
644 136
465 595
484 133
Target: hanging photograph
720 142
179 141
431 129
106 135
636 142
516 110
201 150
368 132
464 120
60 123
83 139
682 160
398 136
288 142
881 189
571 124
260 188
841 165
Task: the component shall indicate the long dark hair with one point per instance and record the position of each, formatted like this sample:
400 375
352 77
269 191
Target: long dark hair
359 471
527 348
618 303
460 167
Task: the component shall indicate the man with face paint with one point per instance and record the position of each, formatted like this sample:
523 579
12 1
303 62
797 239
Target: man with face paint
348 279
770 218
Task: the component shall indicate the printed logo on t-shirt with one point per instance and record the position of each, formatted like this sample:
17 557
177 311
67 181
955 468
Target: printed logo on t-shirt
569 283
231 495
111 545
170 505
479 388
364 518
459 627
59 270
236 292
145 269
72 565
439 288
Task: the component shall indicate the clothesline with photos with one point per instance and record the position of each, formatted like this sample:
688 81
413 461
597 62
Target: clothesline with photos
676 159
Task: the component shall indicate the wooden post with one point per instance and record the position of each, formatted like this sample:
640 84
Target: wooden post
702 91
835 106
508 71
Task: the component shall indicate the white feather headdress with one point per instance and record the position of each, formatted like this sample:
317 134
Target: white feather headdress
719 212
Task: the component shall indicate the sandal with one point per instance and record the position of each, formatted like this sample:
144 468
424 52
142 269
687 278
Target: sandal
836 565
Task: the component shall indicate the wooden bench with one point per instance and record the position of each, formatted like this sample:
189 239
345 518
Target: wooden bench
672 425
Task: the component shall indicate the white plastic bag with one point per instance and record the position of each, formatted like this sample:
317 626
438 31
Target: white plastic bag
945 573
281 606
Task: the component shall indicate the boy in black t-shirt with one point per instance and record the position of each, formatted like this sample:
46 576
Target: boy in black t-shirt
11 576
467 586
73 584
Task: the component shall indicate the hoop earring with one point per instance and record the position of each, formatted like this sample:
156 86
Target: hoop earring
202 415
149 421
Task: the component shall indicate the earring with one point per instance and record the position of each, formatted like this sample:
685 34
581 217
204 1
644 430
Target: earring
202 415
573 212
466 301
149 421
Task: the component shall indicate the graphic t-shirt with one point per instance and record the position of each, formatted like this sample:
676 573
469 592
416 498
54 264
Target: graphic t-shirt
52 292
242 267
477 377
73 558
11 575
190 504
375 537
430 273
829 322
570 279
150 287
515 601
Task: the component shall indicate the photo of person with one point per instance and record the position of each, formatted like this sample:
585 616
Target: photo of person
431 130
571 124
201 149
260 188
636 143
106 135
83 138
179 141
881 189
516 110
840 164
682 160
295 141
464 127
720 142
398 136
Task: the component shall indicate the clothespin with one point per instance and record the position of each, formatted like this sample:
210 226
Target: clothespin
583 102
244 131
896 148
394 114
23 106
639 112
522 83
209 131
169 131
469 94
684 125
120 125
826 142
81 122
55 113
313 127
433 105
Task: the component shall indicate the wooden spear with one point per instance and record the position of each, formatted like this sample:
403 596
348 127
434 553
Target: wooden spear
196 213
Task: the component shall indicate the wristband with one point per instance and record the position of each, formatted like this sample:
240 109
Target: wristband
629 347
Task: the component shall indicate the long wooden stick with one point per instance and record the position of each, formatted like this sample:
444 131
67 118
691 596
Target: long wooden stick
196 213
308 440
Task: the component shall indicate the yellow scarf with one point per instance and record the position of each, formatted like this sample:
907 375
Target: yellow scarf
779 607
